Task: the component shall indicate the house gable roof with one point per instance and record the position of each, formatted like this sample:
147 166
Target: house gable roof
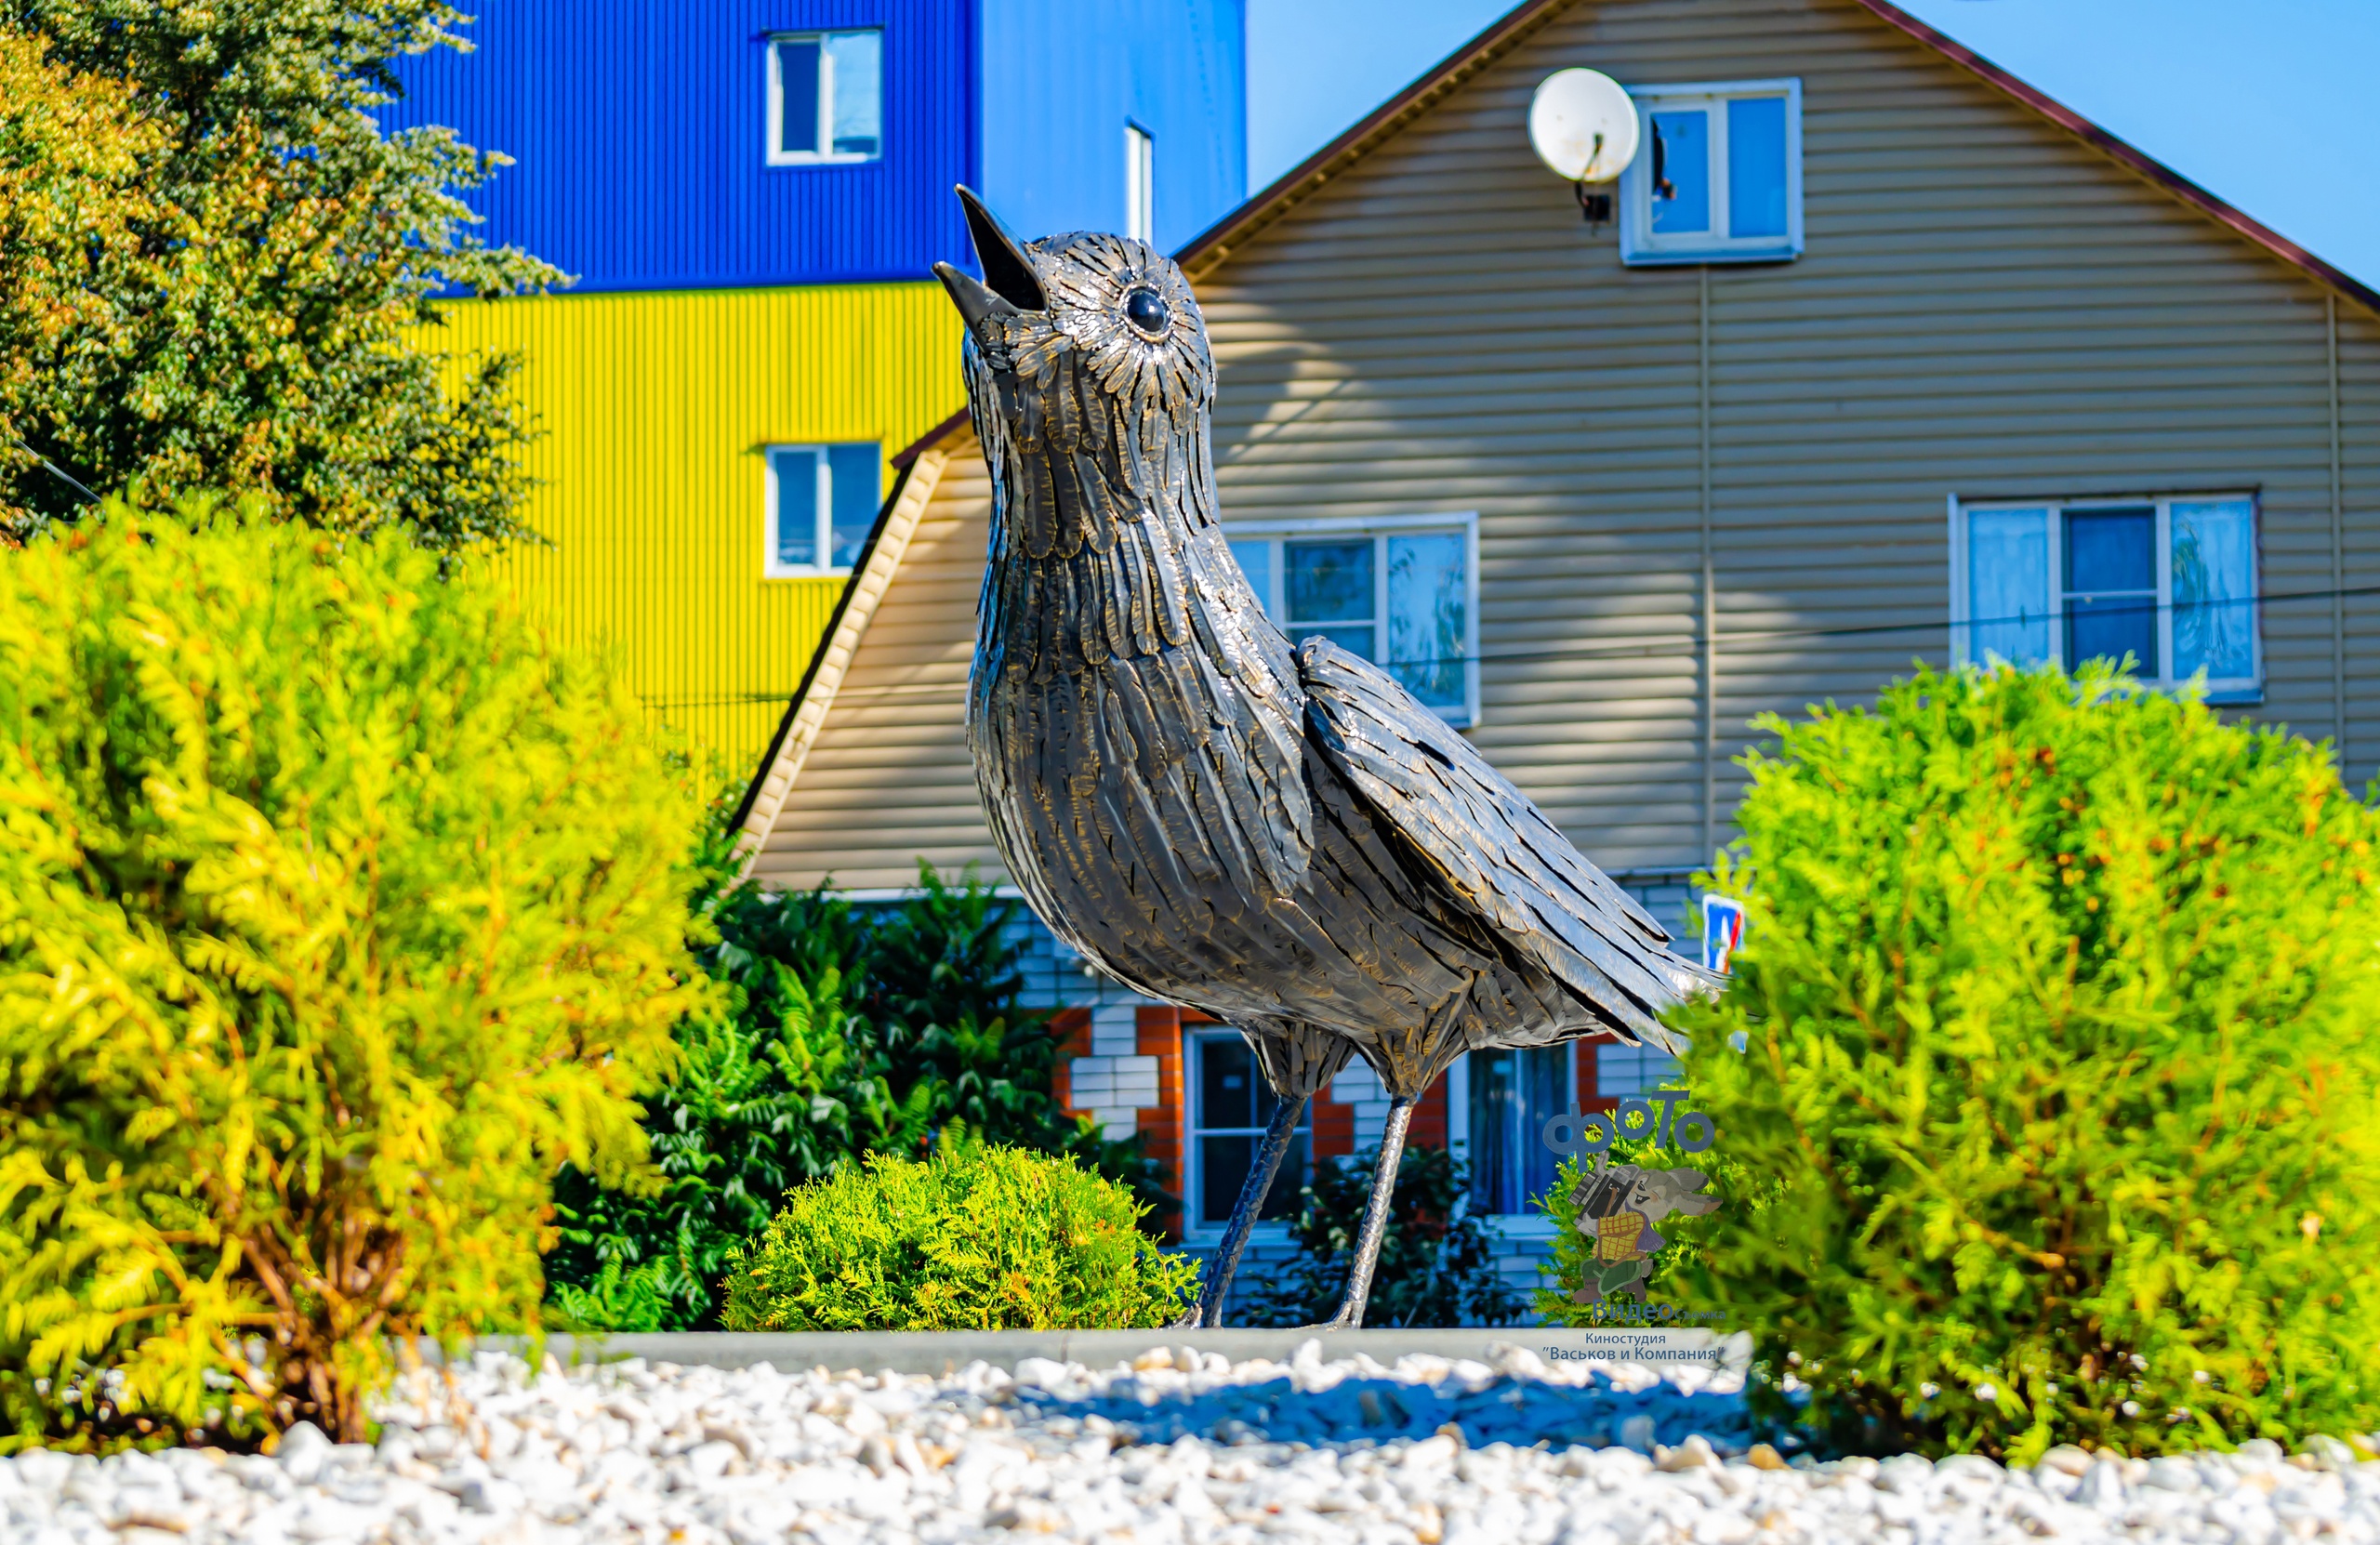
1214 247
888 541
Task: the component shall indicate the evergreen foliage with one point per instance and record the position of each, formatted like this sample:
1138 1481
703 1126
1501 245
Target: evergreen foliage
974 1237
1437 1264
219 268
2057 1001
845 1032
339 907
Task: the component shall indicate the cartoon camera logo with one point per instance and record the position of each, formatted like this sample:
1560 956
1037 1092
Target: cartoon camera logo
1619 1204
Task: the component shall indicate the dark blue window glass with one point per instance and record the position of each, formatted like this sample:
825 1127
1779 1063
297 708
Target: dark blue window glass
797 96
2111 587
1233 1096
1331 582
851 474
1756 167
1512 1095
1681 172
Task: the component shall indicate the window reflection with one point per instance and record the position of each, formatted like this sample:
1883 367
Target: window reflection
1681 172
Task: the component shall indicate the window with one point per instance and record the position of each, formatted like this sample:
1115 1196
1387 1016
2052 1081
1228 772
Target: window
2168 580
1502 1106
1140 184
821 504
1403 592
1232 1104
1718 178
826 97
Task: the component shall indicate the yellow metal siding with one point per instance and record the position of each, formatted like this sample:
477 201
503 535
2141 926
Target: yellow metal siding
653 409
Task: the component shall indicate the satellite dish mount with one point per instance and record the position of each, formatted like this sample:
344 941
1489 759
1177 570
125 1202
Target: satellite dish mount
1584 128
1595 200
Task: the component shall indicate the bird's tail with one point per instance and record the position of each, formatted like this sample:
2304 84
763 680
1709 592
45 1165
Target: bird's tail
1688 981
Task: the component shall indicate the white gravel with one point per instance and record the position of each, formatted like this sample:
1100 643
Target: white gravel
1152 1453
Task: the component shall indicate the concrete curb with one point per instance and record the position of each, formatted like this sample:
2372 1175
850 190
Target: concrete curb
943 1352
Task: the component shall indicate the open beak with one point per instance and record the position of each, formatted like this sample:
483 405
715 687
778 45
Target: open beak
1008 285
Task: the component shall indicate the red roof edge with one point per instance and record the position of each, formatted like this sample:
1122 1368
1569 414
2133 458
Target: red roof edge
928 440
1262 205
2128 154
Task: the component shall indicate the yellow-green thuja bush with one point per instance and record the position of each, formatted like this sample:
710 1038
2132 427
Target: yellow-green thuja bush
2057 1089
339 907
976 1237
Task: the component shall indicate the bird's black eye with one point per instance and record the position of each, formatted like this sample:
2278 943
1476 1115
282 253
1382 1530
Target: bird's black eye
1146 309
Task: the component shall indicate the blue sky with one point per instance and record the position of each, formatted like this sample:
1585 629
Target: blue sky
2273 105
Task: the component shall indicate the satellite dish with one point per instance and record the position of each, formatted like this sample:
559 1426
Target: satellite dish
1583 125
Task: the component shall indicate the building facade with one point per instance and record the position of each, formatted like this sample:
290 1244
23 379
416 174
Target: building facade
750 196
1884 357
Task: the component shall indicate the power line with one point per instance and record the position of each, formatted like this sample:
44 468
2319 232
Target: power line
1682 646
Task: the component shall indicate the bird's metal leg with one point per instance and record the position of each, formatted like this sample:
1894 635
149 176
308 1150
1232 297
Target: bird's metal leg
1277 1137
1359 1275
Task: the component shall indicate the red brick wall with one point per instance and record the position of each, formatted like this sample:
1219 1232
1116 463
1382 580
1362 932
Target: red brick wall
1157 1033
1428 1128
1072 1027
1589 1098
1334 1127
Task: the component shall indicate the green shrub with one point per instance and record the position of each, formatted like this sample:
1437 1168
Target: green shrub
1437 1263
974 1237
2057 999
846 1031
339 907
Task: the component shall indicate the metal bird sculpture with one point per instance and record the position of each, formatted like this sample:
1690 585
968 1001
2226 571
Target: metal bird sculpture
1281 836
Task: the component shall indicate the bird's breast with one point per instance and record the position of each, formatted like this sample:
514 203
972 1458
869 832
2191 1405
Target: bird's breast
1136 735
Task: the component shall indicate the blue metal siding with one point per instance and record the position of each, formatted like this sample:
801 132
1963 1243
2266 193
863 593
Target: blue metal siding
638 129
1061 77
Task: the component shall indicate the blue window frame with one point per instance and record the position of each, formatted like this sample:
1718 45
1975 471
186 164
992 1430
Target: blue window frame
1231 1105
1402 592
1507 1096
1719 176
822 502
2168 580
826 97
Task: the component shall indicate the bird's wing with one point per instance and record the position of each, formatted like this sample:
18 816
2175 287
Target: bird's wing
1493 852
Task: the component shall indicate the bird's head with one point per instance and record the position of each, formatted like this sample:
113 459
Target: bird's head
1088 373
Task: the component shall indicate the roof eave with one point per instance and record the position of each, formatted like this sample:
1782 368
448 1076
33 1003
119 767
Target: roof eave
2125 153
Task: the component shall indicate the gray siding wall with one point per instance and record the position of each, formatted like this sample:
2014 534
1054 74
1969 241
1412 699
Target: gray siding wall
1986 306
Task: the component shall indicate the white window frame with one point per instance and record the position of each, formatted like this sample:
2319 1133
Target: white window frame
1513 1225
1140 183
1194 1177
771 566
2228 690
1379 528
1639 246
827 155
